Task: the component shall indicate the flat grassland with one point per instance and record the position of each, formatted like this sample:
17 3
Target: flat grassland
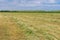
29 26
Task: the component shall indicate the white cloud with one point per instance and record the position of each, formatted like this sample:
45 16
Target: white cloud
52 5
26 3
14 4
2 0
52 1
49 1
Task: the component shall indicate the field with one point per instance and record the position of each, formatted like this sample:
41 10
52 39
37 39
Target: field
29 26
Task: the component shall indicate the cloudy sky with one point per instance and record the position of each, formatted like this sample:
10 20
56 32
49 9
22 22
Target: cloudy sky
29 4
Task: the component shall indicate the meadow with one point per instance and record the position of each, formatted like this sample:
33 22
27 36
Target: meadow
29 26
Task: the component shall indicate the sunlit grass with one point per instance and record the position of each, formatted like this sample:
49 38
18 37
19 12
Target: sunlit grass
29 26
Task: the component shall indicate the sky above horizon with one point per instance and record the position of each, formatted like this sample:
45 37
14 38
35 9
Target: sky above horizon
29 4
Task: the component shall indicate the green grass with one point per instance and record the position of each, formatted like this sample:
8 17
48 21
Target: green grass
29 26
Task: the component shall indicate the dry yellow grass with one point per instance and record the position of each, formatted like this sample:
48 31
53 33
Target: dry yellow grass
29 26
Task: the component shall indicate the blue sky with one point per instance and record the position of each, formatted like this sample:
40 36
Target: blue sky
29 4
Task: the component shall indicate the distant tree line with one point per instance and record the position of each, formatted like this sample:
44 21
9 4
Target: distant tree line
39 11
